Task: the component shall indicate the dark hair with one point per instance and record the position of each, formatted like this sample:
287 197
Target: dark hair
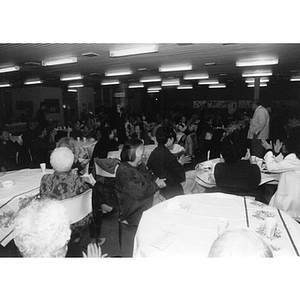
141 125
3 129
292 143
129 149
164 133
233 147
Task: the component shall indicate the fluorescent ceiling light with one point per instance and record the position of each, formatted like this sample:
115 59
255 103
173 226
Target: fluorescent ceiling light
134 51
210 64
9 69
135 85
59 61
217 86
33 81
72 90
71 77
295 78
153 91
260 62
260 73
208 81
170 82
110 82
150 79
118 73
174 68
185 87
75 85
260 85
195 76
252 80
154 88
5 84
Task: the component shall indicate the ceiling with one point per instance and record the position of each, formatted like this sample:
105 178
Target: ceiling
29 57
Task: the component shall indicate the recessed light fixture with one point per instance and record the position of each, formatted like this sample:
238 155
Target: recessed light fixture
9 69
59 61
257 62
90 54
252 80
33 81
150 79
154 88
195 76
153 91
72 90
170 82
5 84
71 77
256 73
185 87
260 85
295 78
208 81
174 68
118 73
217 86
210 64
75 85
135 85
134 51
110 82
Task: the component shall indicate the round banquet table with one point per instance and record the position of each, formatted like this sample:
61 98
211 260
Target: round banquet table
186 226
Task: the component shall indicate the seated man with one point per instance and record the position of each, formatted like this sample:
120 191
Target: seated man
240 243
8 151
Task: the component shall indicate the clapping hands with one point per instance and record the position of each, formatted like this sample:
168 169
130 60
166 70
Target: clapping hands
93 250
277 146
184 159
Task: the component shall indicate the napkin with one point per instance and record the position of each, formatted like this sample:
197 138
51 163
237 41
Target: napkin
89 178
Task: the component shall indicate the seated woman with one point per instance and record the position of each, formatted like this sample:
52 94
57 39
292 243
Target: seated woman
135 185
65 183
80 154
236 176
42 229
286 197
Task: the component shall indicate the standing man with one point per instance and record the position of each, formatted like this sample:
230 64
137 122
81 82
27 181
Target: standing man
40 116
259 128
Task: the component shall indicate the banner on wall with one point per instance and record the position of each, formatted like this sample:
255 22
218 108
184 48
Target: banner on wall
232 106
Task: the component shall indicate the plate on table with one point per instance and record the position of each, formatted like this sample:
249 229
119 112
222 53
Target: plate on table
7 183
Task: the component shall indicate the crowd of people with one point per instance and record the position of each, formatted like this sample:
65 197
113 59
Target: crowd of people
181 140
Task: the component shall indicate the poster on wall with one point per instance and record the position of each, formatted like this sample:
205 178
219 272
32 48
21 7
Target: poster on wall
52 106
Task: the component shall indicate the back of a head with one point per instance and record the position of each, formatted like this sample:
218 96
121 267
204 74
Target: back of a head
240 243
164 133
62 159
42 229
129 148
233 147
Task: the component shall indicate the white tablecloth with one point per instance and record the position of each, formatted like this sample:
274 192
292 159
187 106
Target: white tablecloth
27 183
186 226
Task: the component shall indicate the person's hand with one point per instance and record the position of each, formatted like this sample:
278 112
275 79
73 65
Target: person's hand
93 251
184 159
266 145
277 146
160 182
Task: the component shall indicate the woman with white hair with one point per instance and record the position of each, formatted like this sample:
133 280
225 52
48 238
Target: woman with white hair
64 182
42 229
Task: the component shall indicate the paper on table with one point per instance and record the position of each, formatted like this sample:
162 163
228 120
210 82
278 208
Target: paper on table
165 237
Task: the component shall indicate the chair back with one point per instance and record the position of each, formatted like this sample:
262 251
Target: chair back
101 172
90 150
78 207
